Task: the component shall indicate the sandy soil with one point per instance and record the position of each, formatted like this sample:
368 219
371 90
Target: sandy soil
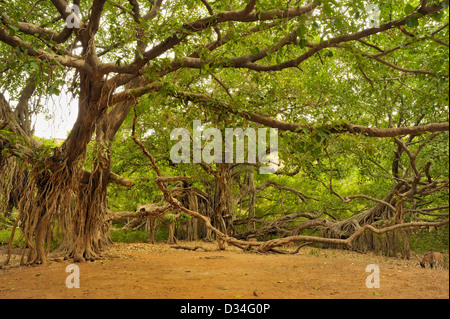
161 272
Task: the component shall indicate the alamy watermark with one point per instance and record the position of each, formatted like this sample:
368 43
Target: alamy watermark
73 20
373 280
373 20
220 149
73 280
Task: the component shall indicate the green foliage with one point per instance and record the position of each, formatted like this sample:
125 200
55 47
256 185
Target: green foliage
136 236
5 235
423 241
126 236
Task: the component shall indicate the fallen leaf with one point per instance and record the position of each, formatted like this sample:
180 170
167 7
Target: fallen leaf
377 294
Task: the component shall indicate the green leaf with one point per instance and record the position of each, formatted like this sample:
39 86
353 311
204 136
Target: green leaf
409 9
302 43
338 23
412 22
301 30
327 9
254 50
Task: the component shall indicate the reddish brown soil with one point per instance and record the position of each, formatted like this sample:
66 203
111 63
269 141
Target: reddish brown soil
161 272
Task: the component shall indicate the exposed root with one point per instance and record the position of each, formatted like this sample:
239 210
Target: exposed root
189 248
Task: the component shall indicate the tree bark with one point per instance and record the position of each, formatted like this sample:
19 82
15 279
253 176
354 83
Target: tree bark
151 228
171 228
223 218
251 201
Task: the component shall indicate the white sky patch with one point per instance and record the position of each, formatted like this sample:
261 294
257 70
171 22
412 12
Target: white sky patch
62 112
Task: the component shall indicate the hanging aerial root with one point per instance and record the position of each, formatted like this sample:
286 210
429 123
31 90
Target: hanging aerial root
48 188
90 223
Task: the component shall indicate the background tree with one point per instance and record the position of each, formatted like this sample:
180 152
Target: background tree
333 67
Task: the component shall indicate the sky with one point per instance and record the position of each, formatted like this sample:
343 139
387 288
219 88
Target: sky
64 113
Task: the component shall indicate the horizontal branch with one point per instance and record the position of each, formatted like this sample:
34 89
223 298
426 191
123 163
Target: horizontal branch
143 211
112 178
301 128
424 211
43 55
266 246
39 32
116 179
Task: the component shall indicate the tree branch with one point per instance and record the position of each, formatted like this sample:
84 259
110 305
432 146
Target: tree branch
300 129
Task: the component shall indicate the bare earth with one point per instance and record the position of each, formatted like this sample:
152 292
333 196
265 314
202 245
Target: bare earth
161 272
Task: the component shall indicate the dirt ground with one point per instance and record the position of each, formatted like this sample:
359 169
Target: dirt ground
161 272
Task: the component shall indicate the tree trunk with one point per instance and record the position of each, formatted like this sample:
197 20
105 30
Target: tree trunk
223 217
251 201
151 228
400 219
171 228
56 178
192 233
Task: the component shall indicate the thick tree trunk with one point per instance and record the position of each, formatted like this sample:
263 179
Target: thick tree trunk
90 225
56 178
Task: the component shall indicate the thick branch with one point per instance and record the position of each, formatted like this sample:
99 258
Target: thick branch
299 128
66 60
